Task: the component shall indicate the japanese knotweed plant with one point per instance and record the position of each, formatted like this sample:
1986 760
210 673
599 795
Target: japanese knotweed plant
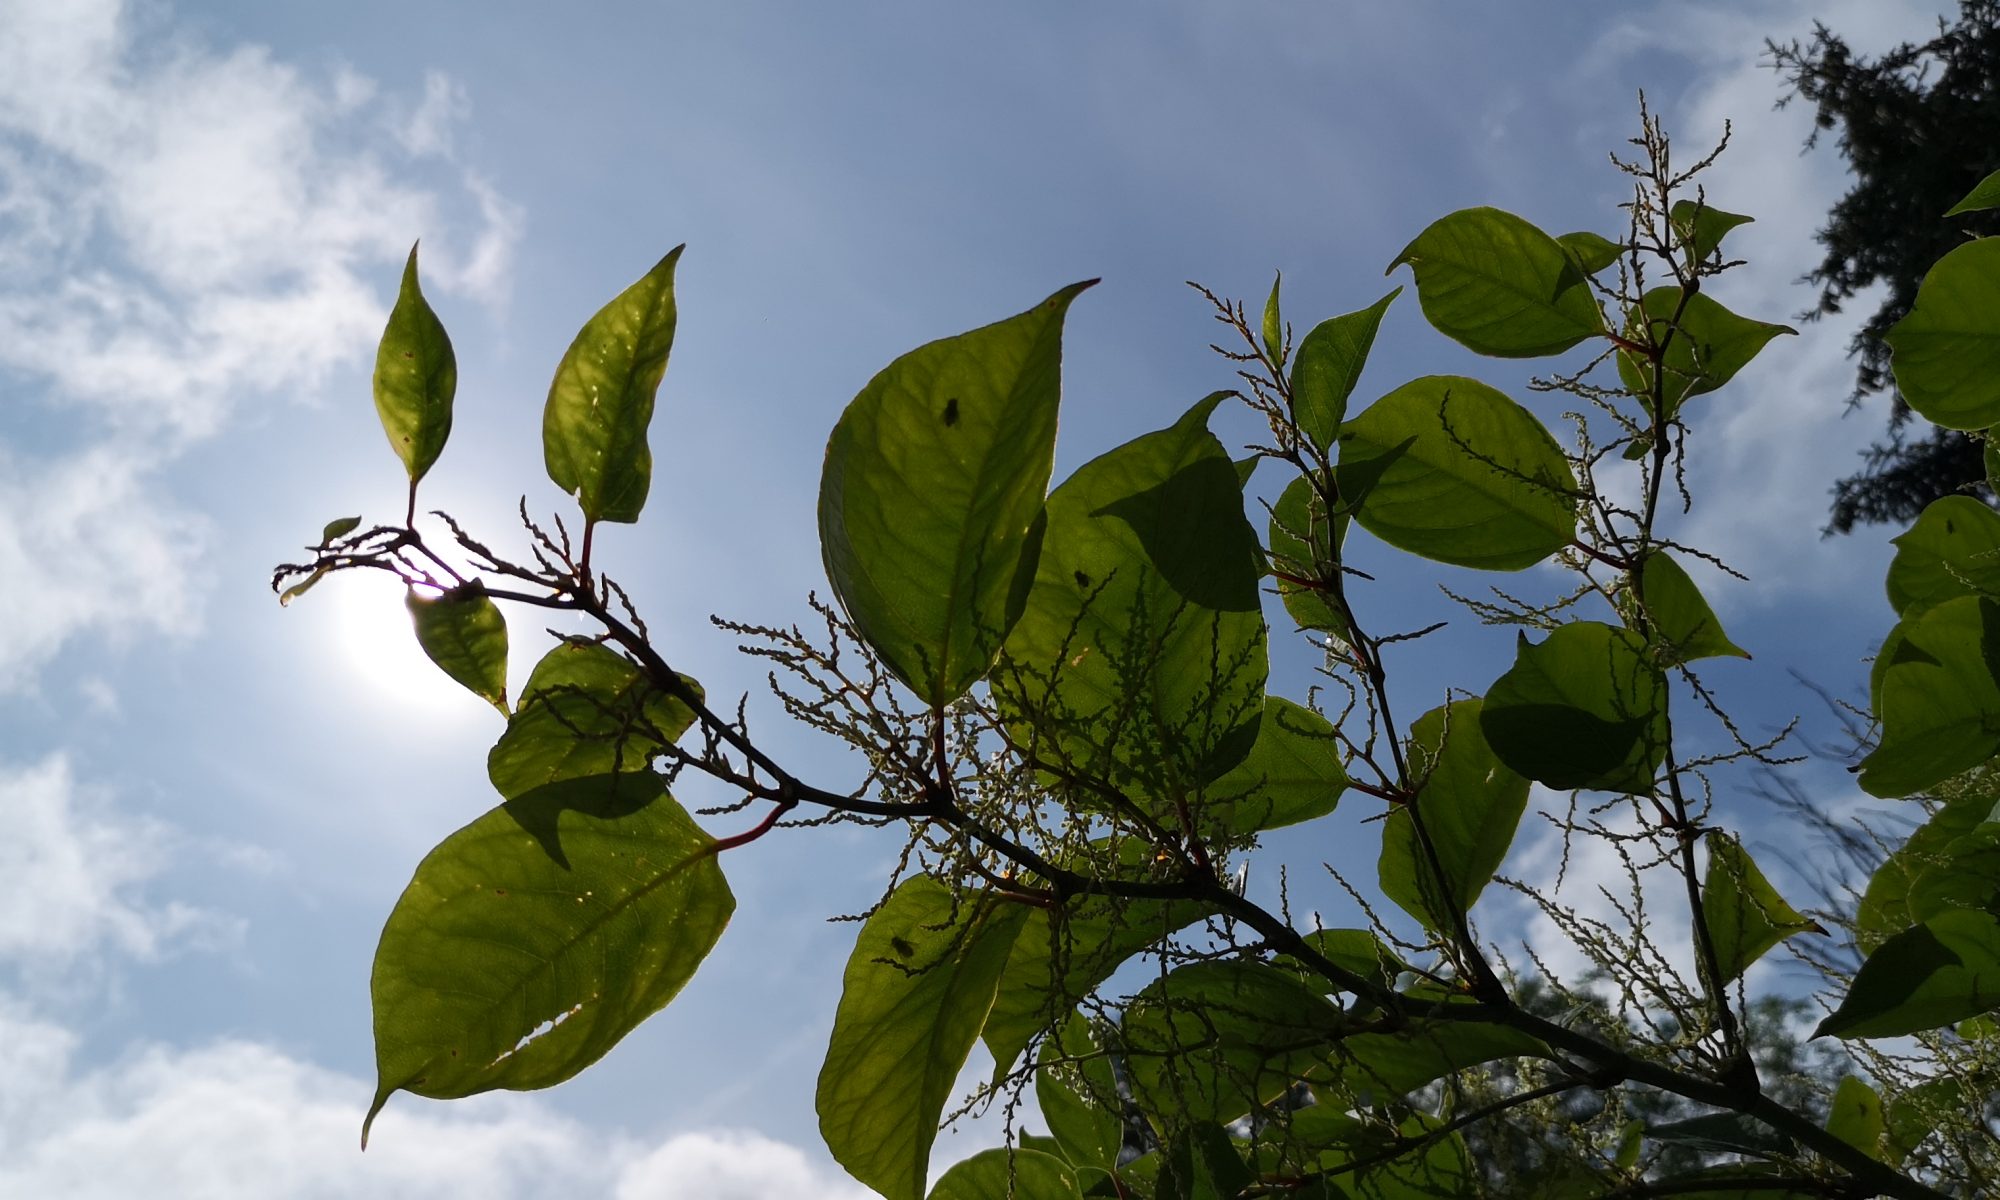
1061 696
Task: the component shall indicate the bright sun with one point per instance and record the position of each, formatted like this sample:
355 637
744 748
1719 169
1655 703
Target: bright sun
373 642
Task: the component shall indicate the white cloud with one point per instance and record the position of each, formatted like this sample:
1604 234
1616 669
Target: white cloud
729 1166
86 545
184 228
1765 450
237 1120
74 875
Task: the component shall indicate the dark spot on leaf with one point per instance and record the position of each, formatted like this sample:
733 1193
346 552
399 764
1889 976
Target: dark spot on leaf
902 948
499 891
951 411
1082 580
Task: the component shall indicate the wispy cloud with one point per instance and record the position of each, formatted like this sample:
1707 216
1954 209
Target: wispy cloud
236 1120
184 229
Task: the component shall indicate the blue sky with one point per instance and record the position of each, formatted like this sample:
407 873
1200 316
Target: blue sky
211 803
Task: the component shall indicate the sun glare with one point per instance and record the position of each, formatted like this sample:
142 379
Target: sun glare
376 649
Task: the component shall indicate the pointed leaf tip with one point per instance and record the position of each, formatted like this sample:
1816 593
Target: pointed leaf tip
601 401
416 377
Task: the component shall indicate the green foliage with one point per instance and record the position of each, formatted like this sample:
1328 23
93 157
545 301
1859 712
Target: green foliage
930 508
601 403
463 632
913 999
1451 469
1497 285
416 376
1062 695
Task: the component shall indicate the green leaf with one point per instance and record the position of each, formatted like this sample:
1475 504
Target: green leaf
1274 323
502 967
1292 774
1701 228
301 587
1915 1113
463 632
586 710
1201 1163
1856 1116
415 378
1678 619
1584 709
1497 285
1928 976
1376 1068
1947 854
1952 550
930 504
1140 658
1706 347
594 425
1305 544
1328 364
1946 352
1003 1174
339 527
1213 1039
1744 913
1470 805
1990 458
1724 1133
1359 951
1986 194
916 990
1938 700
1592 252
1451 469
1059 957
1078 1094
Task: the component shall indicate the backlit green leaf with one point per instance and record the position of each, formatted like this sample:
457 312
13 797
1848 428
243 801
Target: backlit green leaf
1078 1094
594 425
1586 708
1939 853
1938 700
1593 252
1200 1162
1744 913
463 632
1305 545
1946 352
1926 977
1497 285
1986 194
504 966
1952 550
337 528
1706 347
1274 323
1140 658
1212 1039
301 587
1449 468
416 376
916 991
1328 363
1292 774
1374 1068
1701 228
1470 806
1678 619
585 710
930 504
1003 1174
1856 1116
1990 458
1057 959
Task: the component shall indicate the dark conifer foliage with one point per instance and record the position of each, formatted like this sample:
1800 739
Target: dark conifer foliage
1919 126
